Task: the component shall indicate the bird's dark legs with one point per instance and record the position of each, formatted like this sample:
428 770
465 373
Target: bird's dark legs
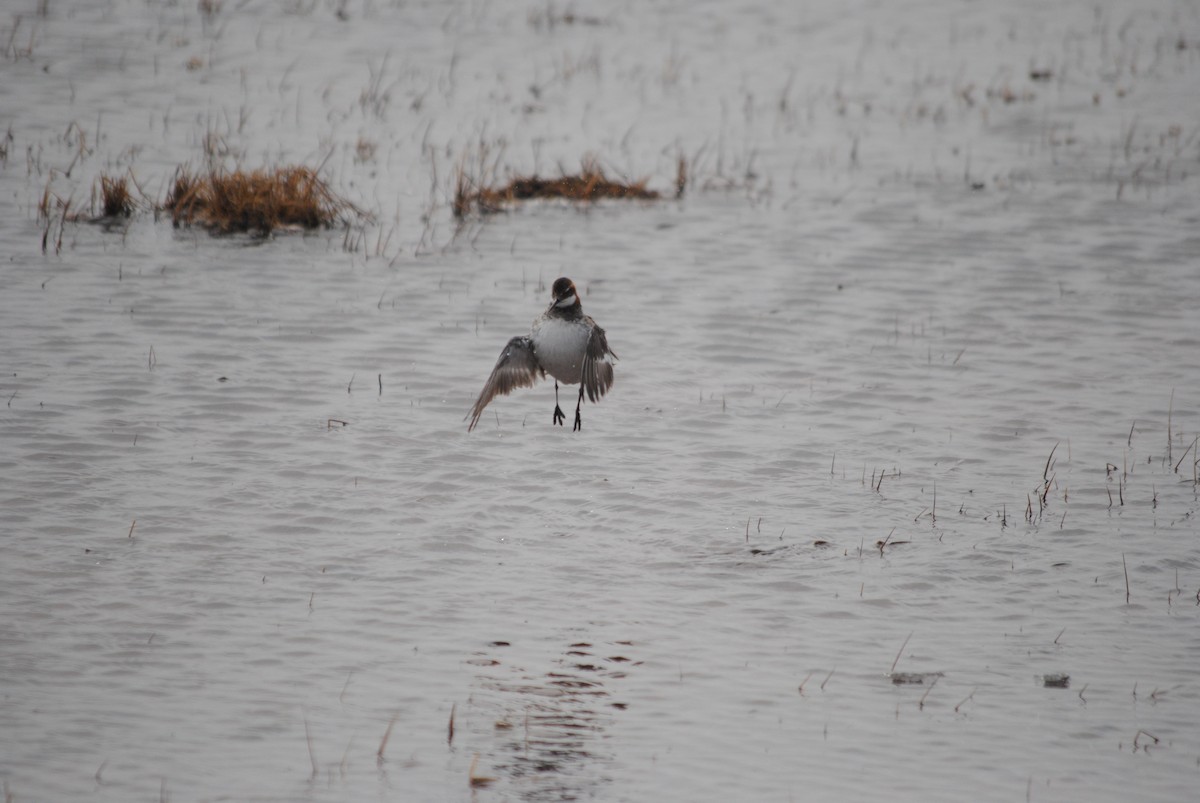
578 420
559 416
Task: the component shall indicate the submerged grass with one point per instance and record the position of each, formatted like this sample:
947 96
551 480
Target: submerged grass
590 184
260 201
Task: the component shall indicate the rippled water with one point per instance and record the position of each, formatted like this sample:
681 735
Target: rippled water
902 431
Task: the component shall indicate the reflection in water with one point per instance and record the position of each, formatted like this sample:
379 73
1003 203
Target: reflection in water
549 731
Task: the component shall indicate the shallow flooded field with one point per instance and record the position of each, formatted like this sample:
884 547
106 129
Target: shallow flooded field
894 497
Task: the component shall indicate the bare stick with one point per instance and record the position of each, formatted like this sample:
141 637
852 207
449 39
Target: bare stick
1126 568
131 526
1129 442
1056 638
345 758
1185 453
1170 409
312 756
450 729
387 734
1046 471
827 677
1141 733
965 699
884 542
806 679
921 702
346 685
899 653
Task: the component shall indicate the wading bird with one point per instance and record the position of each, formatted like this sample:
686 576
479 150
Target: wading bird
564 343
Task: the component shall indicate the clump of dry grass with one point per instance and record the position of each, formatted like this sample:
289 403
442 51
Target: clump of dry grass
116 200
259 201
590 184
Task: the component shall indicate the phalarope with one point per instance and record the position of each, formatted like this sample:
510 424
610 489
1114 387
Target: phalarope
564 343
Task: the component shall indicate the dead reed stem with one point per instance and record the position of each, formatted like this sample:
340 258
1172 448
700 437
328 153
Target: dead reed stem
1170 409
921 702
387 734
1185 453
899 653
312 756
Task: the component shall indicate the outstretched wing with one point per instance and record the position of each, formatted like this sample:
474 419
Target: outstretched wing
597 365
516 368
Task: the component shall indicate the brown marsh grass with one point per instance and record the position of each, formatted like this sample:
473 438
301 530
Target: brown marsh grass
590 184
260 201
116 201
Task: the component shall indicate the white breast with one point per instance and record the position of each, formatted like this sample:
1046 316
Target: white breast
560 347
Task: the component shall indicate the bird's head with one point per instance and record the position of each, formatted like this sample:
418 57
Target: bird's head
565 294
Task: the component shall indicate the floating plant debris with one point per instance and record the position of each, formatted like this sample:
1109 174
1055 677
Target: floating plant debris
914 678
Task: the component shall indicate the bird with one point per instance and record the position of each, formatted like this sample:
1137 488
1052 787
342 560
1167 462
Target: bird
564 343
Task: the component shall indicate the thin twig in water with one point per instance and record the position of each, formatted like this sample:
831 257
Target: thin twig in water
1185 453
1141 733
387 734
1126 568
899 653
1046 471
312 756
921 702
450 728
1170 409
965 700
827 677
131 526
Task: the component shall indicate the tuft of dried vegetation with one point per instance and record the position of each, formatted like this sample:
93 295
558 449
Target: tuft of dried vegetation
258 202
590 184
116 201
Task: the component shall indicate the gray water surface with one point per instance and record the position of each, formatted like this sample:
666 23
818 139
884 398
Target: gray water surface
909 387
